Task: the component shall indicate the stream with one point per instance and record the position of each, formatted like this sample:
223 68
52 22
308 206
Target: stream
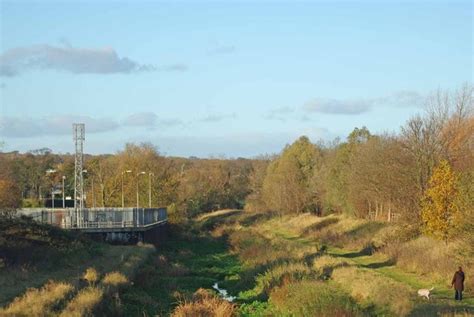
223 293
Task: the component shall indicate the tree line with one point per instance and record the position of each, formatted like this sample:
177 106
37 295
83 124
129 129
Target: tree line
422 174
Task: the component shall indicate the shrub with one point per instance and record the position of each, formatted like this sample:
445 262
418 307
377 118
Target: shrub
91 275
204 304
312 298
38 302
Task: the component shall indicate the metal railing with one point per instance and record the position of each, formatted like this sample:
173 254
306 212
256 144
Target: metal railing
96 218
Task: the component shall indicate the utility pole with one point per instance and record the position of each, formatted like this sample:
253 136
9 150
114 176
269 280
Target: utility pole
64 202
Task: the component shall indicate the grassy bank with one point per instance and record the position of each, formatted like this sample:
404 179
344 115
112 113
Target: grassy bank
43 271
331 266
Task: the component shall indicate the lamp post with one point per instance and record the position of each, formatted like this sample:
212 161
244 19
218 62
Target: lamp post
93 193
149 188
64 202
123 173
138 177
49 172
82 196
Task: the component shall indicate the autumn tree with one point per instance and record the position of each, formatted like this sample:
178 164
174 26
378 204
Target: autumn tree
10 197
286 187
441 204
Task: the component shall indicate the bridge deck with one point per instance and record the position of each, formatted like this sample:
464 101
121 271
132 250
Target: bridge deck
99 220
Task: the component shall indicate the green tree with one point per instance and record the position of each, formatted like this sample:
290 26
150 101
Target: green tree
441 203
287 184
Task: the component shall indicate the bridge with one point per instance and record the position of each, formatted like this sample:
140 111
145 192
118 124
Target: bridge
108 224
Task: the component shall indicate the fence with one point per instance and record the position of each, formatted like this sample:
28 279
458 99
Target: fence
70 218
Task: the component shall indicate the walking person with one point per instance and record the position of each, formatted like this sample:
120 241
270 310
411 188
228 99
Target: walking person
458 283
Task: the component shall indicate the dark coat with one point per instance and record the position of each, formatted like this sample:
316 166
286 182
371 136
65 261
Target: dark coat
458 281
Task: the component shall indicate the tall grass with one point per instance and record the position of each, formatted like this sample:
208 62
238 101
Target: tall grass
38 302
114 279
84 303
312 298
204 304
427 256
369 287
282 274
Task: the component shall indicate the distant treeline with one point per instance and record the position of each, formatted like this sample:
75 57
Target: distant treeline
384 177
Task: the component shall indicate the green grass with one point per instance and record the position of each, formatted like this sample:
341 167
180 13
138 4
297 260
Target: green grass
187 261
270 264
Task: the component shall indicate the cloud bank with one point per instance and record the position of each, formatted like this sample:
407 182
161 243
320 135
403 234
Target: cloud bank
74 60
404 98
26 127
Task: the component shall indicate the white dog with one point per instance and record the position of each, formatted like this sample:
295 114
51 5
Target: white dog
424 292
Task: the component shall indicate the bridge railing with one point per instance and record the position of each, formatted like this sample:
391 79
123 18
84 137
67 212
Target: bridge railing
86 218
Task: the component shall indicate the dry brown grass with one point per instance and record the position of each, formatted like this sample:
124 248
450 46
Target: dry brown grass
91 275
431 257
84 303
115 279
38 302
205 304
370 287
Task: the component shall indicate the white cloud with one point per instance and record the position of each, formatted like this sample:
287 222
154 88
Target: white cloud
404 98
52 125
218 117
335 106
74 60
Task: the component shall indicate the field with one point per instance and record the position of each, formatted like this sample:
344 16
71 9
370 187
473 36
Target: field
300 265
297 266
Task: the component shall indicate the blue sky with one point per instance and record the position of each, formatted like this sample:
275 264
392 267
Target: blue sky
222 78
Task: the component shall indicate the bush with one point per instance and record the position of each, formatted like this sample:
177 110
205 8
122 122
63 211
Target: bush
91 276
312 298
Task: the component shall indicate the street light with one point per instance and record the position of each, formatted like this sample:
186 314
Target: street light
64 202
123 201
138 200
149 188
49 172
82 185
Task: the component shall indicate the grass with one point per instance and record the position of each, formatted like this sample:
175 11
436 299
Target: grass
26 289
114 279
202 304
295 266
84 303
312 298
38 302
187 261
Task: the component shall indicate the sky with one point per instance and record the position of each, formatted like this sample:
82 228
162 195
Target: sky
222 78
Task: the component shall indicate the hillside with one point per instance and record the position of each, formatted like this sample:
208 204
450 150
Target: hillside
43 270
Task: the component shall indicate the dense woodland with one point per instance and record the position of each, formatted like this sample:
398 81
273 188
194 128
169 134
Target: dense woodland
422 174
